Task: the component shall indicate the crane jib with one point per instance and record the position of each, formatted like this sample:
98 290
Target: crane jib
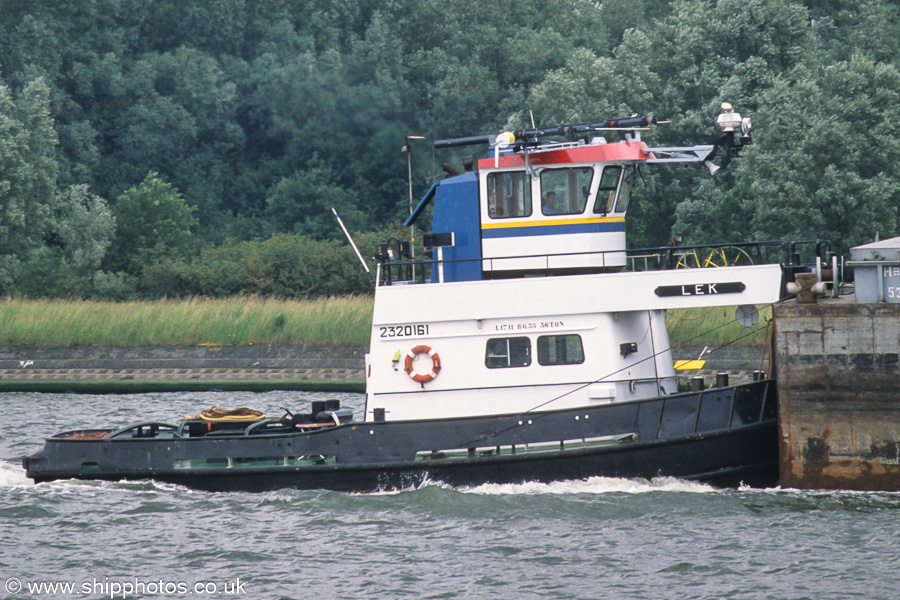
556 130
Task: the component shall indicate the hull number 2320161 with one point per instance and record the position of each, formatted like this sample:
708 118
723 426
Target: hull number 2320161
394 331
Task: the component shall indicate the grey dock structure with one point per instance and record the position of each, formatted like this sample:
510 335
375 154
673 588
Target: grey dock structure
838 370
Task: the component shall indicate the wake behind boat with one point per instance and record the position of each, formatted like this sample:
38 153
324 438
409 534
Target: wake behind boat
526 345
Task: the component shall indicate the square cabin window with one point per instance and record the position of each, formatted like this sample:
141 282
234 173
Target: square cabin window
560 350
507 352
509 195
565 191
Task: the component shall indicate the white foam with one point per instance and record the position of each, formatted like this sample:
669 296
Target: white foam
594 485
425 483
12 475
824 493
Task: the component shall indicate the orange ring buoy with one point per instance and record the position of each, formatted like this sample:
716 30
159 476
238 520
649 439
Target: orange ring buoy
435 364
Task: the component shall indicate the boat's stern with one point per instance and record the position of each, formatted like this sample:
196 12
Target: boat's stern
73 454
33 465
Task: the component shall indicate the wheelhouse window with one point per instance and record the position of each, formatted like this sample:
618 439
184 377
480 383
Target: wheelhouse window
565 191
625 189
606 192
507 352
509 194
560 350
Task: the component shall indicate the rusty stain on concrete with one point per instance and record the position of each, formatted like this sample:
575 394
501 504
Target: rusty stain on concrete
838 366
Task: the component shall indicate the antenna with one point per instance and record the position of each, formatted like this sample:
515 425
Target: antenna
350 239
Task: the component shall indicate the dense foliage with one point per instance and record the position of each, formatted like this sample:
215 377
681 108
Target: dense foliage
163 147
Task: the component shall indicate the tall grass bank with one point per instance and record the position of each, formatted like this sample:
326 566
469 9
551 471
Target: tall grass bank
238 321
244 343
343 321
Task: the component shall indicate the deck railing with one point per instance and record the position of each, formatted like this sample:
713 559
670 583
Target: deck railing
793 256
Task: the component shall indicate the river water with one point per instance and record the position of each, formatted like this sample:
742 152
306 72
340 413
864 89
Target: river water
598 538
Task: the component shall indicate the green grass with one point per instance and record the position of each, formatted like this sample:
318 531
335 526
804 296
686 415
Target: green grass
237 321
250 320
714 326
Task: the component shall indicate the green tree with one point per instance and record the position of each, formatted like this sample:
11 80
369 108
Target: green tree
28 170
152 221
680 67
830 156
848 27
256 111
302 204
85 226
45 274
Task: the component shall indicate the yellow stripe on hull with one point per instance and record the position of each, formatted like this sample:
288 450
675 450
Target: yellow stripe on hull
580 221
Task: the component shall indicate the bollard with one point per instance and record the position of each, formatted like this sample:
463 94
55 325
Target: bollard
721 380
697 383
806 281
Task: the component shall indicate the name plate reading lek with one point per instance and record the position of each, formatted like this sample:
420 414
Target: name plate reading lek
701 289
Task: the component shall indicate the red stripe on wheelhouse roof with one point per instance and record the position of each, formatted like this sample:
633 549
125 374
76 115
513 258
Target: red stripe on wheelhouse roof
615 151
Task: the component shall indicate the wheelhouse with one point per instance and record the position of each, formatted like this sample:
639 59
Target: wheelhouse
561 210
558 208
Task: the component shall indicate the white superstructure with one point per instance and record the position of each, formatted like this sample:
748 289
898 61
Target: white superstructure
528 308
542 343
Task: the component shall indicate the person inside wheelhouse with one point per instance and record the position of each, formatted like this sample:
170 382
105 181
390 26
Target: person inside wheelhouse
549 206
565 191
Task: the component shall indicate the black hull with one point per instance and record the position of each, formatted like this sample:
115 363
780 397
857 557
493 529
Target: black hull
717 459
724 436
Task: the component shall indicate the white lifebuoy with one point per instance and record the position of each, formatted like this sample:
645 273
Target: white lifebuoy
435 364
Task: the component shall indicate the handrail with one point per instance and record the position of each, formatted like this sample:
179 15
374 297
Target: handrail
392 271
159 425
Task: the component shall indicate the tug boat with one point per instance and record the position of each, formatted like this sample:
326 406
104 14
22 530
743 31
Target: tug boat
527 344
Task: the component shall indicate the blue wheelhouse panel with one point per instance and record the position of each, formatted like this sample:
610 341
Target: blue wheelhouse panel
456 209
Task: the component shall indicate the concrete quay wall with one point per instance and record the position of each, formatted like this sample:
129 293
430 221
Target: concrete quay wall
289 367
838 369
111 368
